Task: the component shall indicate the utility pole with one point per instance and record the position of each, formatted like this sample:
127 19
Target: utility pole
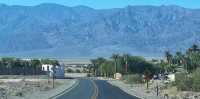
53 75
116 65
53 80
126 67
48 73
157 88
126 62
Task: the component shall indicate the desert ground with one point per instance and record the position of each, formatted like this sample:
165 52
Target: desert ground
32 87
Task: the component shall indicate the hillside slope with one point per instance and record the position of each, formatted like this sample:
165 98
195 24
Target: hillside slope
51 30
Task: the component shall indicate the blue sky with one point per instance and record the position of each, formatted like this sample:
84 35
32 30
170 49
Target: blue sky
103 4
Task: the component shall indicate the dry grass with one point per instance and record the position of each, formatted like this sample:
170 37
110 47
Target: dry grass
171 91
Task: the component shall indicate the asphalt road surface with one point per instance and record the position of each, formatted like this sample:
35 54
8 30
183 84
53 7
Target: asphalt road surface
97 89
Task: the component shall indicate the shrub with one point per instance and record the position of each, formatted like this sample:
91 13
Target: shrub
78 71
70 70
134 78
186 82
183 81
89 75
196 80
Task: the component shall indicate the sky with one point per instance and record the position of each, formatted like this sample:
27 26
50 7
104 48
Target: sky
105 4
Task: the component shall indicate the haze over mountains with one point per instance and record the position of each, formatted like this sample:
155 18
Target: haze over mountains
51 30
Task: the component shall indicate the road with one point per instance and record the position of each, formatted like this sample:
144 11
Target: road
97 89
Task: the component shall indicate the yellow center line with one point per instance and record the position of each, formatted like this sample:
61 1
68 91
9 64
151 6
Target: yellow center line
96 91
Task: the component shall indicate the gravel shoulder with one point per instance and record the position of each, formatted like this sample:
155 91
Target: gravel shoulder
33 89
138 90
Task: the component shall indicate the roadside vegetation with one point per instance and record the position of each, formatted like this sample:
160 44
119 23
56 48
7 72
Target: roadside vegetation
25 79
137 70
133 79
187 68
16 66
132 67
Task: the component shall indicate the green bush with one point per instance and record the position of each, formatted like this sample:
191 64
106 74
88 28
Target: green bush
78 71
183 81
188 82
69 70
134 78
196 80
89 75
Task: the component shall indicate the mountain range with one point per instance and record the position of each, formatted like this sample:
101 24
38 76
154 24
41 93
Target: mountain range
52 30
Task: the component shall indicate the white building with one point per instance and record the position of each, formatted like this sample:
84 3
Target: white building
171 77
59 71
118 76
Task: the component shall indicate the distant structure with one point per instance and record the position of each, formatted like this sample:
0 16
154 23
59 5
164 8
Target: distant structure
118 76
75 64
58 72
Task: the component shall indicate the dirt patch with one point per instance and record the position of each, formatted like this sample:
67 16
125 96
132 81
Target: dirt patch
32 88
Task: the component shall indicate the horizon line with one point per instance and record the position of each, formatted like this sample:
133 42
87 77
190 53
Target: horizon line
11 5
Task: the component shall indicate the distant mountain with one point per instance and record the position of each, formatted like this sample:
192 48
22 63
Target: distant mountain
51 30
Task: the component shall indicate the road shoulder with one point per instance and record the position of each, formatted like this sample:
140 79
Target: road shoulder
134 90
66 90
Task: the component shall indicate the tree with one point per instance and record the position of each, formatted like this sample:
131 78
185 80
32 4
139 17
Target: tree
179 58
126 59
132 64
36 65
147 77
115 58
163 66
169 57
193 61
108 68
194 48
18 67
69 70
193 57
96 65
100 61
138 64
8 62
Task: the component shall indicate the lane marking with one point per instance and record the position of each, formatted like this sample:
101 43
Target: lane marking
66 90
96 90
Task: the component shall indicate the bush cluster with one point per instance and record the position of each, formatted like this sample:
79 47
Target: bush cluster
133 78
188 82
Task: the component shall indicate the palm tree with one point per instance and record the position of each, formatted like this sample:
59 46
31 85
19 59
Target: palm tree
179 58
186 62
8 62
193 55
169 57
96 65
36 64
126 57
194 48
100 61
115 58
